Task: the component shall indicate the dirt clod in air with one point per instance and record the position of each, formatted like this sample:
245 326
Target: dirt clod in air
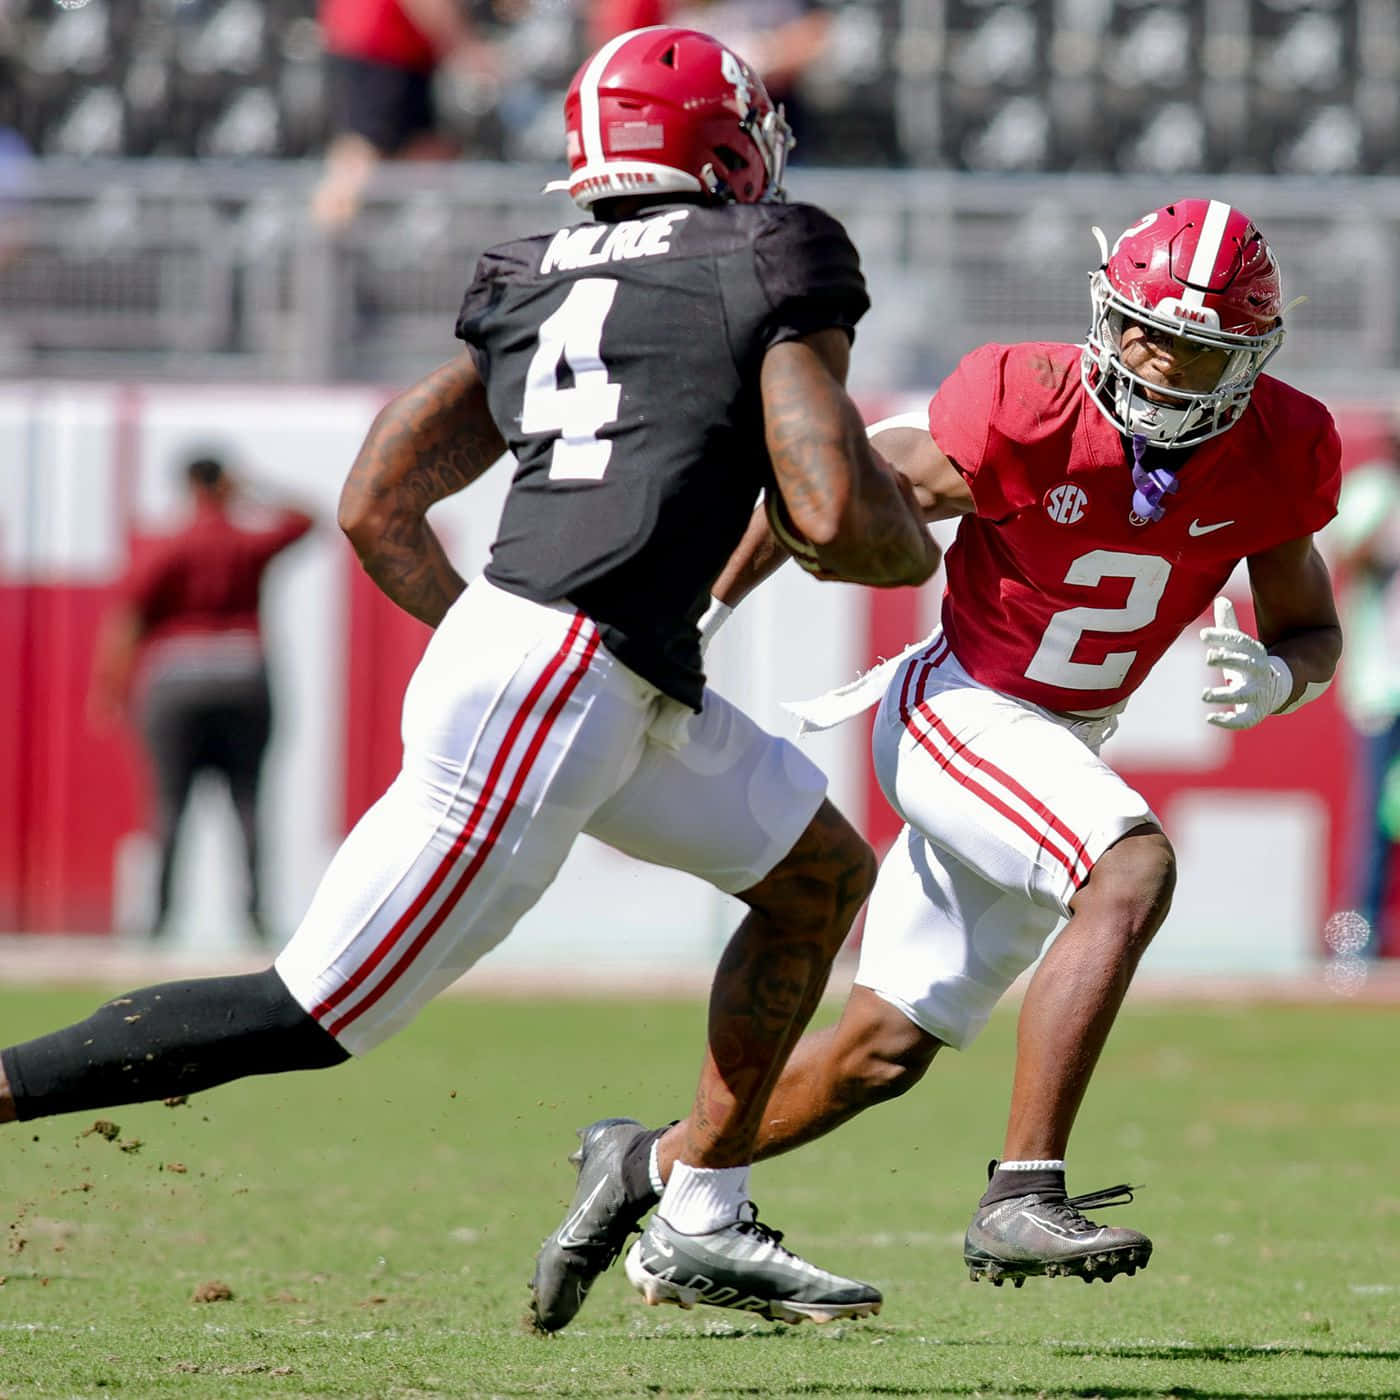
213 1292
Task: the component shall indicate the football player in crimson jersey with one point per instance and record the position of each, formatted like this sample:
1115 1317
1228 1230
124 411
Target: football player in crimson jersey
1105 494
653 369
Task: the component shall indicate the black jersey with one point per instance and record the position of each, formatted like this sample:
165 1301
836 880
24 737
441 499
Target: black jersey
622 367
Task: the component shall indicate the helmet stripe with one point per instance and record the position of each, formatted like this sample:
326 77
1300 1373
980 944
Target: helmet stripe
590 125
1207 251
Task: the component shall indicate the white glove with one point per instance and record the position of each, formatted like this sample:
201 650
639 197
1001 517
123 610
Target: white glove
1256 683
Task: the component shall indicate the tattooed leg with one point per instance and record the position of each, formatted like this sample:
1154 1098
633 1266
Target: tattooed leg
769 982
874 1054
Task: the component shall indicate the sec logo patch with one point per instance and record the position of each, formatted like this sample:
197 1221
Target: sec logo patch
1066 503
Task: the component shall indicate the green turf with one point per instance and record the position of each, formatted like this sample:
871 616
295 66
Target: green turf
376 1223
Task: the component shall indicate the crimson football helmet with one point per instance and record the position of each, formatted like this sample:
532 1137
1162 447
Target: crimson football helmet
662 109
1198 269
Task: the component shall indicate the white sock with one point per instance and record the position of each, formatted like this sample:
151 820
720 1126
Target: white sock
1035 1165
698 1200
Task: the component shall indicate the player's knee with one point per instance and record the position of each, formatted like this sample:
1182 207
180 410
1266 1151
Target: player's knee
1139 880
860 860
820 885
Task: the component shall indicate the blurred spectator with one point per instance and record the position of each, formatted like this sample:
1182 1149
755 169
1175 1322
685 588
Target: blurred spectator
609 18
383 58
1365 542
538 43
782 39
15 165
186 618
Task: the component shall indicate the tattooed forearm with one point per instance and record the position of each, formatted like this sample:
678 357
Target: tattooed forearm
805 443
418 577
856 511
426 444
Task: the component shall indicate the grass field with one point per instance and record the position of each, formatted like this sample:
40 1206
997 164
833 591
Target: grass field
375 1224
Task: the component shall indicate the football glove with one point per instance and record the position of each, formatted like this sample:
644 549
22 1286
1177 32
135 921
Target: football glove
1256 683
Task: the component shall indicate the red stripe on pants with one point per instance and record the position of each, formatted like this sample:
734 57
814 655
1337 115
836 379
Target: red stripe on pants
459 844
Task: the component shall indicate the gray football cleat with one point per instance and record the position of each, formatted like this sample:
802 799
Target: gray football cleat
742 1265
592 1234
1041 1234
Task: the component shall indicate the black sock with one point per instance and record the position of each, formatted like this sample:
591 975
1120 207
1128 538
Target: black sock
162 1041
636 1167
1005 1185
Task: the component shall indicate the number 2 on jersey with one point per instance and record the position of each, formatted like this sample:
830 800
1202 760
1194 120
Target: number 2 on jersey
1052 664
573 335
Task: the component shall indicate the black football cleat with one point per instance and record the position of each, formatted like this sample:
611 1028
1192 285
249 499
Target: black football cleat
1045 1234
592 1234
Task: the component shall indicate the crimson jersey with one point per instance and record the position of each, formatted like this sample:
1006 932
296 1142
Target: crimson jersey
1054 595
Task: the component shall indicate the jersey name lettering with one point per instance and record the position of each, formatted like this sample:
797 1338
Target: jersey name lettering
592 244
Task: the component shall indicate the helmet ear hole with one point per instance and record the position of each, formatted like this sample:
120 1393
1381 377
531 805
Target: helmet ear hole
668 57
731 158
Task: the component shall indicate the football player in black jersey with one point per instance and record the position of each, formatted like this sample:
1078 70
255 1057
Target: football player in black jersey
652 370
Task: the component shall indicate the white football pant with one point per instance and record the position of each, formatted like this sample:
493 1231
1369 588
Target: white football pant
520 731
1007 807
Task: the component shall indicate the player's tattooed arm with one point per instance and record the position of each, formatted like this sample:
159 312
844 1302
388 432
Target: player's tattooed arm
424 445
859 515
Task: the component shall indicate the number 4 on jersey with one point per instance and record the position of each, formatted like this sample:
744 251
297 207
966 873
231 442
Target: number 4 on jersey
573 335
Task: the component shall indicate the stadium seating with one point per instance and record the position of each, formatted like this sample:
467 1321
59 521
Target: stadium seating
1291 86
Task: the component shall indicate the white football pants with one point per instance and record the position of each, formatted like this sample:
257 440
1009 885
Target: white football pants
520 731
1007 807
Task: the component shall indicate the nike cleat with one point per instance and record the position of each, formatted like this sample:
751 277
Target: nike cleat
592 1234
1038 1234
742 1265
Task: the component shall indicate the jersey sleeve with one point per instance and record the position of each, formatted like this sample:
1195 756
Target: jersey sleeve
493 269
810 274
1320 504
961 420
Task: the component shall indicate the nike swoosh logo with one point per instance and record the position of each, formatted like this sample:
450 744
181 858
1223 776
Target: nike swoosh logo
567 1238
1051 1228
1196 528
660 1245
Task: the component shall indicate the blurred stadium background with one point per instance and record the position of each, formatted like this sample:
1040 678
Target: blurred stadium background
163 289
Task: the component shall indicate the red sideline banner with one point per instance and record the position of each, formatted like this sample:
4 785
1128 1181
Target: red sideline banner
88 468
